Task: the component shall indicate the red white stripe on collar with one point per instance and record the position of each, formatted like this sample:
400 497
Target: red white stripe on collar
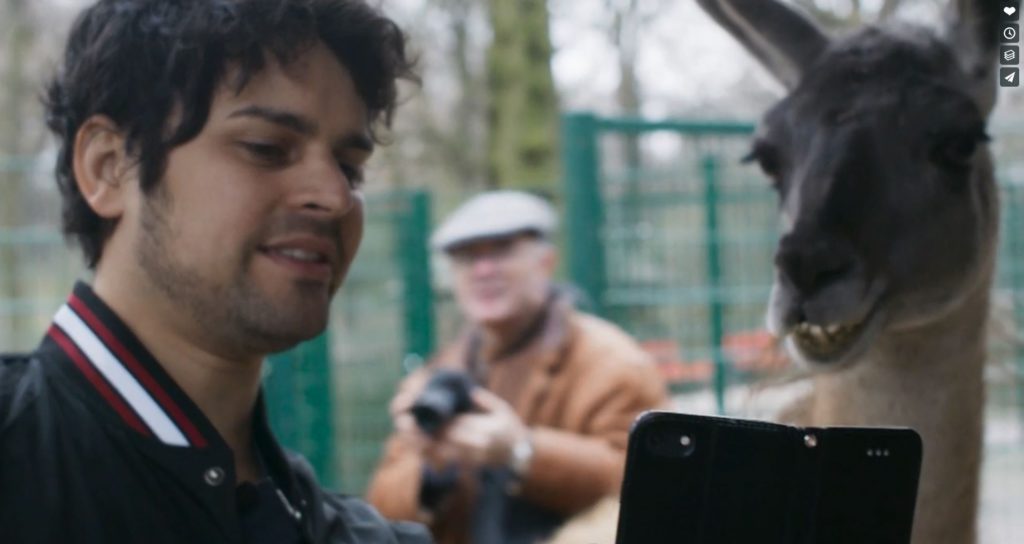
120 378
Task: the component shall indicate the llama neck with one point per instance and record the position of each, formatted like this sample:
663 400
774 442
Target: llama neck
929 379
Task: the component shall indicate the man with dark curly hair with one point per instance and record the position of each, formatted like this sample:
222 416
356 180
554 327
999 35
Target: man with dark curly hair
212 153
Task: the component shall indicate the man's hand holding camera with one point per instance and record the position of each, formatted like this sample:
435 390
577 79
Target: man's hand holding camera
485 437
488 434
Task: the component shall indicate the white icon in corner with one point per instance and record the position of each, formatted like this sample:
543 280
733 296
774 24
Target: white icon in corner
1009 10
1008 77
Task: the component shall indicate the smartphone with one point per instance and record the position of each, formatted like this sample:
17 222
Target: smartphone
713 480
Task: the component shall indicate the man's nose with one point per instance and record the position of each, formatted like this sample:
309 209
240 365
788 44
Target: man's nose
484 264
324 189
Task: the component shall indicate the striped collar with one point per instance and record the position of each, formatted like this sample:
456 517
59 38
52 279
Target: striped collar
124 373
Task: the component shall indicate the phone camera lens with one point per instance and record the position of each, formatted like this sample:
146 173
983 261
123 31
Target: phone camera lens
688 443
670 443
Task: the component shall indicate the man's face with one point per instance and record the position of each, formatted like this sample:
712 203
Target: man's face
258 218
502 279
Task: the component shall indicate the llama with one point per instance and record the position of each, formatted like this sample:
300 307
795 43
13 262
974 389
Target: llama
890 212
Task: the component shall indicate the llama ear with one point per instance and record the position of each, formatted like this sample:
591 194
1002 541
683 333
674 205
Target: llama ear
974 29
784 40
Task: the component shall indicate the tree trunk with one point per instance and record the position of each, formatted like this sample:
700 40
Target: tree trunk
467 153
523 108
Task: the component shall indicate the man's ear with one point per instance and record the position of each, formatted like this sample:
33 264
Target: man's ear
102 166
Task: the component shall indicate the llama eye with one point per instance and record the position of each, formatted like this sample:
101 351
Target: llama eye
768 159
956 151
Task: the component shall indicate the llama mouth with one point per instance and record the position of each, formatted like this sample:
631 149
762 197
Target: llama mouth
833 346
825 343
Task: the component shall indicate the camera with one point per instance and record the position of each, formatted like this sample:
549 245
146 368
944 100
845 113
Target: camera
668 442
446 395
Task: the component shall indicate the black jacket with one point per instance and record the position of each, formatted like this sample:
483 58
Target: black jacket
98 444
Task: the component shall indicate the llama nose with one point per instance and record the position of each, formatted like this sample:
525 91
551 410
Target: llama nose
813 262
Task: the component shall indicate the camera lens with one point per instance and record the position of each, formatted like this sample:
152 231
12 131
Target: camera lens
688 443
446 395
668 442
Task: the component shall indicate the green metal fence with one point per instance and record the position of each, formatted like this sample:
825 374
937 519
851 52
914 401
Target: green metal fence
673 239
676 243
36 269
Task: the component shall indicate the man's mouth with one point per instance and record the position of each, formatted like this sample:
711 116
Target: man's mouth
298 255
488 293
307 257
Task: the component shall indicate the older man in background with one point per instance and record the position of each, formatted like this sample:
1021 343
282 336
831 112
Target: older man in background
555 390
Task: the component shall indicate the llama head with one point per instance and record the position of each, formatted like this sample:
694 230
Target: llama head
885 183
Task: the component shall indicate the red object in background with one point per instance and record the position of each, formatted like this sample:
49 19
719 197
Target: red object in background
748 351
667 355
755 351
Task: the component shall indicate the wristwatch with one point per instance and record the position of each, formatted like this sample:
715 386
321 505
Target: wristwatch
522 454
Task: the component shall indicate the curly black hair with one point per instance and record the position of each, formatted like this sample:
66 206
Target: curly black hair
135 61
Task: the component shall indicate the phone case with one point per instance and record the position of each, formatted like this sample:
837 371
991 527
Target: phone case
712 480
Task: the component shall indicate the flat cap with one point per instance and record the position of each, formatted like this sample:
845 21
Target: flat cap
495 214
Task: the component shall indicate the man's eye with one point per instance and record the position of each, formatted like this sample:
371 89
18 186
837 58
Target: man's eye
354 174
271 154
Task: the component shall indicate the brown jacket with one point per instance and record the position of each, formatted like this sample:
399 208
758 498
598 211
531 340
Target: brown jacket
578 385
